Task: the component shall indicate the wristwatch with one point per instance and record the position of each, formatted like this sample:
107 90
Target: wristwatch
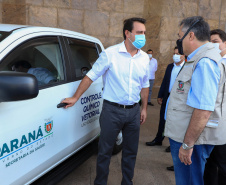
186 147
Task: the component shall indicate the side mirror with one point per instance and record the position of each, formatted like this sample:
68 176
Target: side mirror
16 86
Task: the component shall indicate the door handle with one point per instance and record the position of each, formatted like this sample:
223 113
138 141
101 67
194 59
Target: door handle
60 105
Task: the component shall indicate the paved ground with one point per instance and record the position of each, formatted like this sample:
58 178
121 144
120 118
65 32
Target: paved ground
150 166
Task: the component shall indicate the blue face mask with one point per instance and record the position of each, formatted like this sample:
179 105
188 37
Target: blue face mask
139 41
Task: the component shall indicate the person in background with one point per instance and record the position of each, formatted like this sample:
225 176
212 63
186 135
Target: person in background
153 65
43 75
171 73
215 168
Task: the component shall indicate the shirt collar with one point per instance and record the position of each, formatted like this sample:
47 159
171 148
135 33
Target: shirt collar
179 65
194 52
122 48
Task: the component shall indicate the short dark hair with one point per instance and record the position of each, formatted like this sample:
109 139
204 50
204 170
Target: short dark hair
201 29
22 63
175 47
150 50
128 24
219 32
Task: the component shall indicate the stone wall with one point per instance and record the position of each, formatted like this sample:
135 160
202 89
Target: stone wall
163 18
104 19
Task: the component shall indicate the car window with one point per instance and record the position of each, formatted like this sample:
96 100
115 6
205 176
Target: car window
84 54
40 57
99 48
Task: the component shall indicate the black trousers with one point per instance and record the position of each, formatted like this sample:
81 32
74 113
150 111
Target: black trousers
112 120
215 169
159 137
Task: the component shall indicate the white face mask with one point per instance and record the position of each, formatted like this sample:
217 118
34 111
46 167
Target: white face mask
150 55
216 45
176 58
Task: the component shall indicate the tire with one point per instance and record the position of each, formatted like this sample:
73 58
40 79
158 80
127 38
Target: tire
118 144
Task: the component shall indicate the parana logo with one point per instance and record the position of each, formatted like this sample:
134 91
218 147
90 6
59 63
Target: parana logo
48 126
15 144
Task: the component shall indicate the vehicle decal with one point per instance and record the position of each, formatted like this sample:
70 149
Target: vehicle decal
91 108
17 149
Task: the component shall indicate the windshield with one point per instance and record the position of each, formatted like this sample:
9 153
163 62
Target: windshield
3 35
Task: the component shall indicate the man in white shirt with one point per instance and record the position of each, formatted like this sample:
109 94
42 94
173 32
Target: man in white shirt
125 74
153 65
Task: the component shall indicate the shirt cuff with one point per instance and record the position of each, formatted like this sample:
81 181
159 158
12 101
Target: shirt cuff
201 107
146 86
92 75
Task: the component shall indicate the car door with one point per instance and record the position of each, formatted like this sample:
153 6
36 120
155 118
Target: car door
35 134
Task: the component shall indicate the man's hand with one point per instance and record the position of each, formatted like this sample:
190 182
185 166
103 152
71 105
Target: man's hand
143 116
185 156
70 101
159 100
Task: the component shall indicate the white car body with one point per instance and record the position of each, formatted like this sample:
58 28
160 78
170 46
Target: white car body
36 135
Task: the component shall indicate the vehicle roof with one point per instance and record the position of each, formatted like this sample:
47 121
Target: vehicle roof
27 29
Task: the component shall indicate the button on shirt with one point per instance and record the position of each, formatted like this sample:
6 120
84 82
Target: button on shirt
123 75
153 65
204 84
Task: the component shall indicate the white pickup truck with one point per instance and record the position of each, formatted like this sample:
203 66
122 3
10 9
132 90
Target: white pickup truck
39 67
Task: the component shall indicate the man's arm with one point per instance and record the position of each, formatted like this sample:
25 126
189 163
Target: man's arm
197 124
144 99
83 86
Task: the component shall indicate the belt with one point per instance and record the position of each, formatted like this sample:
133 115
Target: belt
119 105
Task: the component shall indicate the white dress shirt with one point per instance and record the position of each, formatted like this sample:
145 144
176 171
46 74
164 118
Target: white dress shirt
123 75
153 65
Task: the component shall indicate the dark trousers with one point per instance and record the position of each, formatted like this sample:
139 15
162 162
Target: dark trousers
159 137
215 169
112 120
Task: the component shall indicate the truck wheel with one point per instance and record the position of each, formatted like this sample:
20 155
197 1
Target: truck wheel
118 144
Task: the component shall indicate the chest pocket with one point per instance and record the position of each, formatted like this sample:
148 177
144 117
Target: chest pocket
181 88
183 80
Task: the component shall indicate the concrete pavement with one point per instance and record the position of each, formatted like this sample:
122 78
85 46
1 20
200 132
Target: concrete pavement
150 165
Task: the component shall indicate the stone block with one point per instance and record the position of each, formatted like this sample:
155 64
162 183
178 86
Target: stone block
71 19
42 16
130 15
223 7
96 23
110 41
169 28
134 6
214 24
116 24
165 46
154 45
153 27
110 5
36 2
209 9
84 4
152 8
14 14
57 3
16 2
1 13
189 9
